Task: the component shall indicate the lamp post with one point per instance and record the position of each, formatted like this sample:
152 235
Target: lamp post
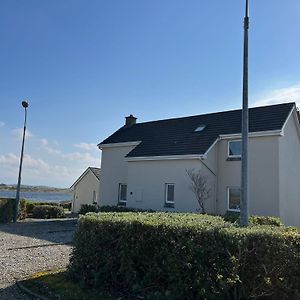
245 128
25 105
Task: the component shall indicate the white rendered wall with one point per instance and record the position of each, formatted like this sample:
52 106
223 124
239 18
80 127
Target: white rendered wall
289 178
84 189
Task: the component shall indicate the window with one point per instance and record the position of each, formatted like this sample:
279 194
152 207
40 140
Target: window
234 197
122 194
235 148
200 128
169 193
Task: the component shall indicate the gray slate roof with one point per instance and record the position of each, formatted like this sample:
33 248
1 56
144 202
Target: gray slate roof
96 171
178 136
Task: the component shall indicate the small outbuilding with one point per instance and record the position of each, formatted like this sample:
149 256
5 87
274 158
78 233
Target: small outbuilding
86 188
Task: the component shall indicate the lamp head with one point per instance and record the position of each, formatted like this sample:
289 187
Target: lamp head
25 104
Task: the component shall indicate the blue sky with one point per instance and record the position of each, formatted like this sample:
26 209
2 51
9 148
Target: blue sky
85 65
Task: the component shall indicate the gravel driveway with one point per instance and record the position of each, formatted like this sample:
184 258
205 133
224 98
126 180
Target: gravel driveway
32 246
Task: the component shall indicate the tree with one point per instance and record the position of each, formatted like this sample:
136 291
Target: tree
199 186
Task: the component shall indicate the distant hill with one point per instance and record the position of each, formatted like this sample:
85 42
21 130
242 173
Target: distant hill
33 188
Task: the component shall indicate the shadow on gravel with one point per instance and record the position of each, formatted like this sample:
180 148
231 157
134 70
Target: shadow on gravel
53 231
13 292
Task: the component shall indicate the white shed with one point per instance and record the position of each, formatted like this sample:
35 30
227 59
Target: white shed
86 188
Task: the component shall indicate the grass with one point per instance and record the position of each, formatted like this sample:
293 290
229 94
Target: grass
56 285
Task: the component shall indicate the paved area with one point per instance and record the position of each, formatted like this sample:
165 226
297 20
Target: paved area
29 247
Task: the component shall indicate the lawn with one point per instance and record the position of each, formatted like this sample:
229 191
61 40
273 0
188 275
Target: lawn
56 285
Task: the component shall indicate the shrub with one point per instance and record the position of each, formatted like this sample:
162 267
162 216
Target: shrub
48 212
265 220
86 208
6 210
234 217
184 256
108 208
31 204
22 210
66 205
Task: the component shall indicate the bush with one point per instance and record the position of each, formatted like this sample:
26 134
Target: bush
108 208
184 256
22 210
234 217
48 212
30 205
66 205
6 210
86 208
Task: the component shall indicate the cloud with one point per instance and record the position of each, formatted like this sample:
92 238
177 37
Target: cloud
85 157
86 146
35 169
287 94
2 124
44 142
18 133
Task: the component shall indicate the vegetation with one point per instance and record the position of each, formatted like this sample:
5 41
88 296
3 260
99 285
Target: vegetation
48 212
234 217
184 256
199 186
7 210
57 286
86 208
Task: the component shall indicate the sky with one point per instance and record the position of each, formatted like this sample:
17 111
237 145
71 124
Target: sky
85 65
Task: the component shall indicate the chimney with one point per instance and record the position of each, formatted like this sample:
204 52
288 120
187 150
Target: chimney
130 120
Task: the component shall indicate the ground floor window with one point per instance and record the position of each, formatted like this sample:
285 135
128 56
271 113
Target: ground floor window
169 194
122 198
234 198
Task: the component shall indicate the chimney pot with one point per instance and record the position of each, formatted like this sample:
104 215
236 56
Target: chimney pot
130 120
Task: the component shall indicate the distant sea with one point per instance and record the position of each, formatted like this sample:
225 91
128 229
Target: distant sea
38 196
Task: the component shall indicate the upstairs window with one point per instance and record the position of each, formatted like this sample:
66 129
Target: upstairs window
235 149
234 199
169 194
122 198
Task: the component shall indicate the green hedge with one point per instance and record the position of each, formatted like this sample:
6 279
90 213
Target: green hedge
7 210
86 208
184 256
234 217
48 212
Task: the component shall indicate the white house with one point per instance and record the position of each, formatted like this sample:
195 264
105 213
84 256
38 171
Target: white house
86 188
144 165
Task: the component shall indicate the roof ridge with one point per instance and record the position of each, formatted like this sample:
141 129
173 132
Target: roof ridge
213 113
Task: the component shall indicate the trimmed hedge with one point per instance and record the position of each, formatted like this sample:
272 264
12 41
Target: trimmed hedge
86 208
48 212
234 217
7 206
184 256
6 210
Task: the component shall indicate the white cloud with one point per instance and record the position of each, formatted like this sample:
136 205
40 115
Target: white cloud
287 94
18 133
85 157
44 142
86 146
2 124
35 169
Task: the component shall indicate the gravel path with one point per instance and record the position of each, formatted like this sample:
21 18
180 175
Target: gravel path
29 247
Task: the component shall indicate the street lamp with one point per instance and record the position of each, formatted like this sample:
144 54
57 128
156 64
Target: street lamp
245 128
25 105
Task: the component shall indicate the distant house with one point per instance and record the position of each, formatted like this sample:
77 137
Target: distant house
144 165
86 188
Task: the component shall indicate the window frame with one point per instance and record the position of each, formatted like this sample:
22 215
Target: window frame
166 194
228 149
121 201
228 198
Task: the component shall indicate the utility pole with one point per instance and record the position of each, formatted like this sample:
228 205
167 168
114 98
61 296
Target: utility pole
25 105
245 128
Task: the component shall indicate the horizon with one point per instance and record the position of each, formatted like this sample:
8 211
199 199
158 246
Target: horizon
84 66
